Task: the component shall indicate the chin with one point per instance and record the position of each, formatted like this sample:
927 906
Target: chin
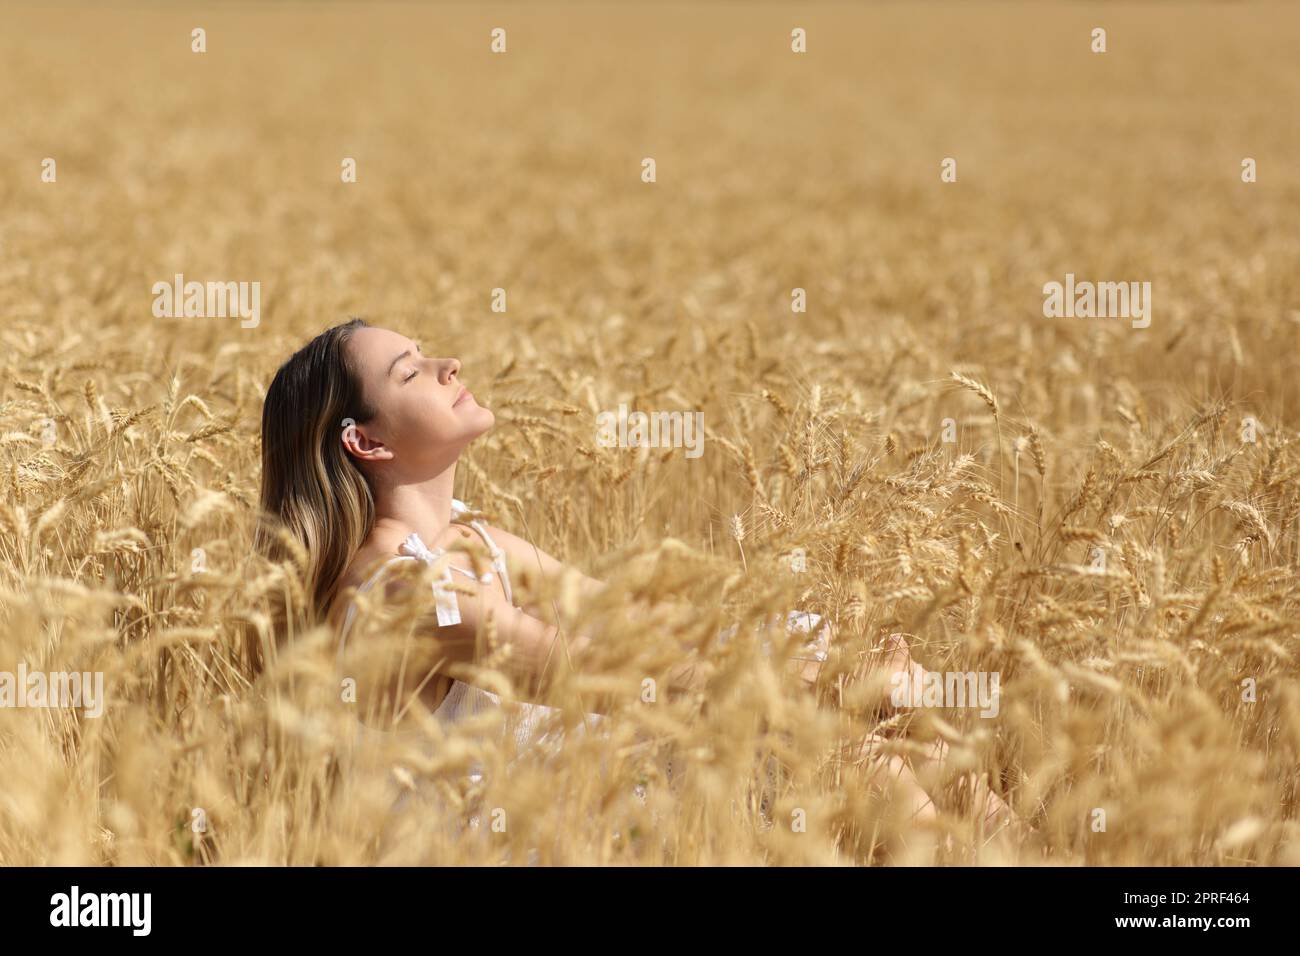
484 419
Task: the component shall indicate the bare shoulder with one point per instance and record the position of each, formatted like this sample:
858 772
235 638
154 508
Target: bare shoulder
378 551
375 553
364 564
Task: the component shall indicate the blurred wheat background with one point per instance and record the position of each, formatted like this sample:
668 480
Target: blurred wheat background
1121 691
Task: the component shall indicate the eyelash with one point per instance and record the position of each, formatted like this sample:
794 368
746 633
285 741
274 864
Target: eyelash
417 371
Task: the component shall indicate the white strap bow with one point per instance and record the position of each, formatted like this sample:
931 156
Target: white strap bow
444 598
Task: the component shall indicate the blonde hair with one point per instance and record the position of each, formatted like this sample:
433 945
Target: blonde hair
312 490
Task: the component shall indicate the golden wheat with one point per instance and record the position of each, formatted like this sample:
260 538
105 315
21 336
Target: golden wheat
1136 589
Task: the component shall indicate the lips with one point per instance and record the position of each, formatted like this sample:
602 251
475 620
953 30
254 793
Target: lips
464 394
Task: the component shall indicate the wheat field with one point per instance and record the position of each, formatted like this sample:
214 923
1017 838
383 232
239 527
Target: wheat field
1102 514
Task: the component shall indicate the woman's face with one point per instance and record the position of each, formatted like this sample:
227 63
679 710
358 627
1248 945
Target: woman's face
424 418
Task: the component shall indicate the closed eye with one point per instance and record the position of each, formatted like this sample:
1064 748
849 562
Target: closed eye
417 371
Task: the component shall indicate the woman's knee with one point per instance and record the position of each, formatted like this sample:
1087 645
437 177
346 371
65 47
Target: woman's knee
895 779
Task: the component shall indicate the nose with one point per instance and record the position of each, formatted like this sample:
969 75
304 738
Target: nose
450 370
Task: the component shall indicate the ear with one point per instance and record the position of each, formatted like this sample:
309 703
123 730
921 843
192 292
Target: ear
361 446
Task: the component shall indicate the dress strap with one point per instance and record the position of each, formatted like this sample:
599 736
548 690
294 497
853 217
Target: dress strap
460 511
444 598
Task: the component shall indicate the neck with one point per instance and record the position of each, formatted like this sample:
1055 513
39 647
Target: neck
422 506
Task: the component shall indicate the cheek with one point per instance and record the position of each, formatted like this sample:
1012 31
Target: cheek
437 423
429 422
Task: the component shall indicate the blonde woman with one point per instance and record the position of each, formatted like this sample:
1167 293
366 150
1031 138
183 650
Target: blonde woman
361 433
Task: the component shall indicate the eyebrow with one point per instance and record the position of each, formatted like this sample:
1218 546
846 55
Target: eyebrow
393 364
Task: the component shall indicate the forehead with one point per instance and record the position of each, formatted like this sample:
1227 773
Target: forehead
375 348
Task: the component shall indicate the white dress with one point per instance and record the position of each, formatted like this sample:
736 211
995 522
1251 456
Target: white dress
528 721
465 699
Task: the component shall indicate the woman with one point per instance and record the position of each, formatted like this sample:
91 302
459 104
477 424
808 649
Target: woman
361 433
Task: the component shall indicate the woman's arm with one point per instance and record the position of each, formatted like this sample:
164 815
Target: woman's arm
525 555
533 654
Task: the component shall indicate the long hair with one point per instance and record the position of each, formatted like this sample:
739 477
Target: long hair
313 493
